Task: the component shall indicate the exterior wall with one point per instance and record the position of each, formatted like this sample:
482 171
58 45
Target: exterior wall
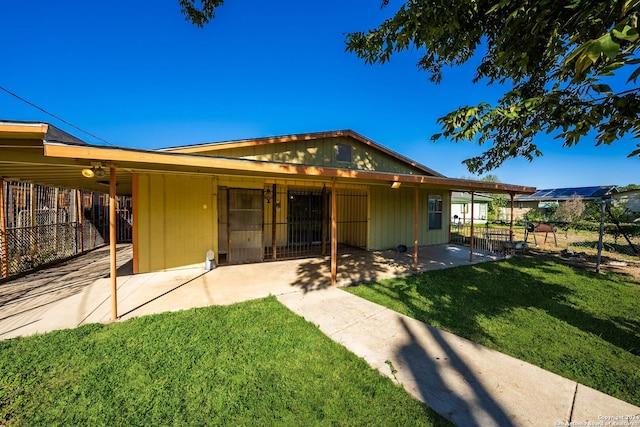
631 201
320 152
177 217
391 221
176 220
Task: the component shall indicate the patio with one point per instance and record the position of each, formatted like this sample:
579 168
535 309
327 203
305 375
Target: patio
77 291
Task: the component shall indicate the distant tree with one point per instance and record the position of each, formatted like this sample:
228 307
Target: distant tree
553 54
498 201
571 210
629 187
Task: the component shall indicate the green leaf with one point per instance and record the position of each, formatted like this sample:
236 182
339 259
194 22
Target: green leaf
634 75
627 33
601 88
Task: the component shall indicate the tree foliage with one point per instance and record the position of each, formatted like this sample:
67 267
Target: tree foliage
199 12
555 55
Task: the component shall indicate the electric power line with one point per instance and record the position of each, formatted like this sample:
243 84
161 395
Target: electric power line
55 117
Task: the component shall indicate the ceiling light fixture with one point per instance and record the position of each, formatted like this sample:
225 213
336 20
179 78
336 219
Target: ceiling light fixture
88 172
97 171
395 184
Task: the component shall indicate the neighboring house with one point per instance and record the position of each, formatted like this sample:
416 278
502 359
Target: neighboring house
630 200
251 200
461 207
545 200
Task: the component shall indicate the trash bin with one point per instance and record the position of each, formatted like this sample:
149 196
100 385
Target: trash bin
210 262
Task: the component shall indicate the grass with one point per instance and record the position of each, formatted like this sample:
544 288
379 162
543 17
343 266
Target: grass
578 324
254 363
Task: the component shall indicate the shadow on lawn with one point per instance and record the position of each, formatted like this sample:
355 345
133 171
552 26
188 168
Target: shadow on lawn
460 296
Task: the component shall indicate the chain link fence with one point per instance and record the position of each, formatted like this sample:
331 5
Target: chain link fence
618 243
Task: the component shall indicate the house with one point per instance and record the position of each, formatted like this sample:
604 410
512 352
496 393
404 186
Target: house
549 199
252 200
462 208
629 200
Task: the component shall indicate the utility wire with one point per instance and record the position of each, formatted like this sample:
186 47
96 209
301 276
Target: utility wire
56 117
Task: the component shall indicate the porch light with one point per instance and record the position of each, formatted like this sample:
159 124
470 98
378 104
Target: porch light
97 171
88 172
395 184
268 195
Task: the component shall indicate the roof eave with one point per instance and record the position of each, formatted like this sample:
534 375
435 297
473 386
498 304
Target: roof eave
154 160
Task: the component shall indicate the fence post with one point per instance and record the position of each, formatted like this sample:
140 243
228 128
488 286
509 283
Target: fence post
3 237
472 230
603 205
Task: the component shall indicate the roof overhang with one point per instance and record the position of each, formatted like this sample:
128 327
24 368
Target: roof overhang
154 161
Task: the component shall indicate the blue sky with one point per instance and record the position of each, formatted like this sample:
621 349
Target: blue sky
138 75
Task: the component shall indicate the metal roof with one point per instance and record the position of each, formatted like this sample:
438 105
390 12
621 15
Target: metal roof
587 193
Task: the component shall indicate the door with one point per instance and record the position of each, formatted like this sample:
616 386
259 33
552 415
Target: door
245 226
305 219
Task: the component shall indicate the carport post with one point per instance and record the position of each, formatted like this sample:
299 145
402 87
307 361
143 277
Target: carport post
112 242
415 228
471 236
334 235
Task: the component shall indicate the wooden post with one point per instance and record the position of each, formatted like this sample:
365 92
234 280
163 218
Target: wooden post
3 225
415 227
323 224
112 242
511 222
274 212
334 235
80 218
472 231
135 214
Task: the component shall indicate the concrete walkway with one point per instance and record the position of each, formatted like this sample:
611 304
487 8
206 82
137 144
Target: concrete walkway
465 382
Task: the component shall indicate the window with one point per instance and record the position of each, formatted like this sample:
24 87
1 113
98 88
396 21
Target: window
435 212
343 153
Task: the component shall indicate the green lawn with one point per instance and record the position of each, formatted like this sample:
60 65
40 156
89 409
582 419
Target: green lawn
576 323
254 363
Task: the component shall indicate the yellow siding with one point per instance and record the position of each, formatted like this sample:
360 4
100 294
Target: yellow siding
392 218
321 152
177 220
